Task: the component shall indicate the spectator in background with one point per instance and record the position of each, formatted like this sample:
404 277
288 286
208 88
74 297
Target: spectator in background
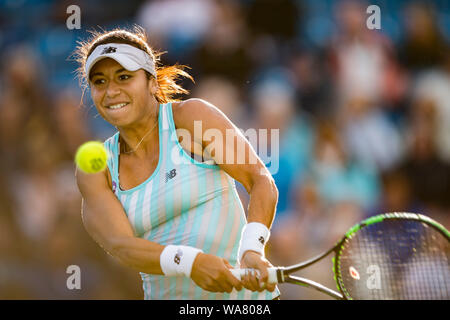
299 234
27 120
274 108
13 247
314 90
23 90
273 28
423 43
369 85
432 88
274 18
34 187
224 50
371 138
177 25
312 226
62 251
361 59
428 174
396 195
340 178
302 230
71 121
224 94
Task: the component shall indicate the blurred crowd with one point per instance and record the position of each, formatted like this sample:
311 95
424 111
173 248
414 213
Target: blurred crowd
364 120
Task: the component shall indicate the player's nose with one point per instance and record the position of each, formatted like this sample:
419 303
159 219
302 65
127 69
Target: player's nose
112 90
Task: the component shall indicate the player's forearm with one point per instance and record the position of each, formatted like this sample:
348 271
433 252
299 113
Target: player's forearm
139 254
263 201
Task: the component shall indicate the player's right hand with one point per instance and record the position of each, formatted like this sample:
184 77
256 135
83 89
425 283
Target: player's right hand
213 274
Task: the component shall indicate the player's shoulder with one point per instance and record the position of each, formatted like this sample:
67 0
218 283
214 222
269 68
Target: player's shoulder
192 109
189 105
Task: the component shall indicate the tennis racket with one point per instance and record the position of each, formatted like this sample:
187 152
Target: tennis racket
392 256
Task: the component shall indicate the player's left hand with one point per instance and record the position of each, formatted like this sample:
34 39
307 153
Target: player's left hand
254 260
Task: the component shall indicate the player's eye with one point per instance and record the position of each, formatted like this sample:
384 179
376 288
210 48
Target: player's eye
124 77
99 81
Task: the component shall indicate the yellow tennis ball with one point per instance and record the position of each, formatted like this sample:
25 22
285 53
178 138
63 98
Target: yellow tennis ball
91 157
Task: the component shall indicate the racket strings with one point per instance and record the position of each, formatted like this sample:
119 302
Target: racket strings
395 259
433 259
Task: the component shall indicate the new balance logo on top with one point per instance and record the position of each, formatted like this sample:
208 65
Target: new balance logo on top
261 239
109 50
171 174
178 256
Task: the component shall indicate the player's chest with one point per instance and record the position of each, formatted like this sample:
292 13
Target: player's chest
133 172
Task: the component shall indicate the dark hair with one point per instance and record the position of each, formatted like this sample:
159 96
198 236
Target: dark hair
166 76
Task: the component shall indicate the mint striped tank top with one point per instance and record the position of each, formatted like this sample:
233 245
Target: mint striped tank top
184 202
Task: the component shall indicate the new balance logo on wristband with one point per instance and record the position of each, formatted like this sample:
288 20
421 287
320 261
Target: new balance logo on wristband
109 50
178 256
171 174
261 239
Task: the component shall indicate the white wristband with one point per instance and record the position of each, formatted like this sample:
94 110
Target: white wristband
178 260
254 237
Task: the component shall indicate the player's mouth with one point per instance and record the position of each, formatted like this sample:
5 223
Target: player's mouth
117 106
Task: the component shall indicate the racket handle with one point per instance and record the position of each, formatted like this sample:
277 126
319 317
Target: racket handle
239 273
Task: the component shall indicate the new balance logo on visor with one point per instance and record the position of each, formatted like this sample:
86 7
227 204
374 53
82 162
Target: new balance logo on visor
178 256
261 239
109 50
171 174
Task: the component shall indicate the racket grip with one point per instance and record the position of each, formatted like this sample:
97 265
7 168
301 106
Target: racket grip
239 273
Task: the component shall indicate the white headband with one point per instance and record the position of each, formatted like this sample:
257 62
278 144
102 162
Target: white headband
131 58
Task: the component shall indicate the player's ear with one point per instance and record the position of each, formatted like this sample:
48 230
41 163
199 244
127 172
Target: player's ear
153 85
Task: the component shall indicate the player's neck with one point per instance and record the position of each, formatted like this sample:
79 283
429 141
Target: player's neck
141 138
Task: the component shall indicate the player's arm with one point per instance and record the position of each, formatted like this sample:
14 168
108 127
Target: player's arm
105 220
251 173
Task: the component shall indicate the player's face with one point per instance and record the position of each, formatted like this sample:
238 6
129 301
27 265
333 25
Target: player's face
122 97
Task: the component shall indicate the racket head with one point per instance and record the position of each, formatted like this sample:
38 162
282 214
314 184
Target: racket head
394 256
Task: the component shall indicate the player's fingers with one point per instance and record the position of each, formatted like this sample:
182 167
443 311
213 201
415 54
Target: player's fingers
236 283
227 264
252 280
226 286
245 280
227 281
270 287
212 287
263 275
264 284
233 281
220 285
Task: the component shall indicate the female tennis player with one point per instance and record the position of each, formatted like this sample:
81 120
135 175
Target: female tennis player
158 208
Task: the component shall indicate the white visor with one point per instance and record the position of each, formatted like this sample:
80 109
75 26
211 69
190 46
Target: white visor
129 57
